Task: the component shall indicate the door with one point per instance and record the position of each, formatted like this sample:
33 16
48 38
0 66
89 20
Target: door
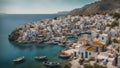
82 54
86 54
97 49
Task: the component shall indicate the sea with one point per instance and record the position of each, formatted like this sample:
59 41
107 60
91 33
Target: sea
10 51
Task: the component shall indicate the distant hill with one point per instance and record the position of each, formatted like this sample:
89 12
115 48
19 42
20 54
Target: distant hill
63 12
99 7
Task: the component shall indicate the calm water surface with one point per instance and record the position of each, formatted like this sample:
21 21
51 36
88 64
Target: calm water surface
9 51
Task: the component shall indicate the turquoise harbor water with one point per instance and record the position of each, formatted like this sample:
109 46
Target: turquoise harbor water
9 51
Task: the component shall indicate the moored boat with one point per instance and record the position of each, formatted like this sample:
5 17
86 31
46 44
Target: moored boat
61 44
52 42
55 43
51 64
40 57
64 55
45 40
19 59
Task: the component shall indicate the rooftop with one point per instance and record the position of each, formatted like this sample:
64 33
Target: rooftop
83 39
97 44
88 48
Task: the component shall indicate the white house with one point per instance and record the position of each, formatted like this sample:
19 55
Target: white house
99 46
107 29
113 32
83 41
87 51
94 34
104 38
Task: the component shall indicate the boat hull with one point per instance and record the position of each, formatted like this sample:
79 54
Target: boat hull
40 58
51 64
64 57
19 60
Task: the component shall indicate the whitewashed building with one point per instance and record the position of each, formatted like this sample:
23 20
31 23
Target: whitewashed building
87 51
113 33
104 38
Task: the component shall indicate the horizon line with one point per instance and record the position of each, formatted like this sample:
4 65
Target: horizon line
34 13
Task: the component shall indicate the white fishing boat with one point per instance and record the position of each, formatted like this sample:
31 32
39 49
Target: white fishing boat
19 59
51 64
40 57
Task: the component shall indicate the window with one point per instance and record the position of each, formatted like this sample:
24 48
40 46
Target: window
102 38
89 53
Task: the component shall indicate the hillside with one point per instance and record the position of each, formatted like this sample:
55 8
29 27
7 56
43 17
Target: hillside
99 7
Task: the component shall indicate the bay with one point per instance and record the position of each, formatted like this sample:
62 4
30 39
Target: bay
9 51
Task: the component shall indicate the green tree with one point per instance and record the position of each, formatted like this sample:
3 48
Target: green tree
31 26
55 18
116 15
113 24
115 40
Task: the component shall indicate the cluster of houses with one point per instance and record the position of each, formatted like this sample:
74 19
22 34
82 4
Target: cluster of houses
68 26
94 34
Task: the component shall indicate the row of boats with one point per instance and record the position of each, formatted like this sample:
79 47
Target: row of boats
22 58
46 63
41 58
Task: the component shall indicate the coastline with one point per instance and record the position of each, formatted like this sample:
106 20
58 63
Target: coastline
89 30
48 28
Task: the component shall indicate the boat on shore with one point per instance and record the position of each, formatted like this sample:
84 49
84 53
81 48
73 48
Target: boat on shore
64 55
55 43
52 42
19 59
40 57
51 64
60 44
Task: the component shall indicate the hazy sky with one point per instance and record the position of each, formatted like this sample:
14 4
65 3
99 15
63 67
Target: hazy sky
40 6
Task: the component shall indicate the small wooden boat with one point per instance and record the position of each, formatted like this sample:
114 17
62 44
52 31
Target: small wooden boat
54 43
49 42
64 55
61 44
40 57
19 59
51 64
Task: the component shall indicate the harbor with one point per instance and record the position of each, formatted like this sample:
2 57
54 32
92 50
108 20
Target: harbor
60 34
10 51
85 38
